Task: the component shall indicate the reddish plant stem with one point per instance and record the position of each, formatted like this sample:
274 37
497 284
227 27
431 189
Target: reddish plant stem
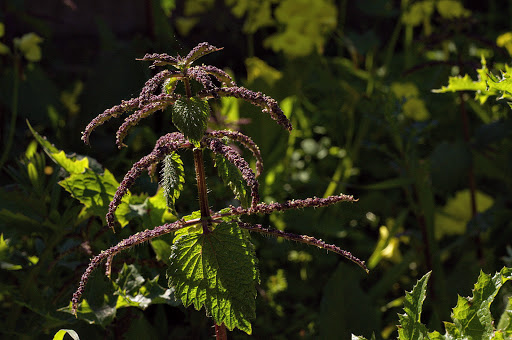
220 332
201 189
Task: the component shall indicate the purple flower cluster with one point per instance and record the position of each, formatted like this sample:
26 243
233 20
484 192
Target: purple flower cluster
303 239
232 156
160 59
108 254
310 202
245 141
268 104
148 102
164 146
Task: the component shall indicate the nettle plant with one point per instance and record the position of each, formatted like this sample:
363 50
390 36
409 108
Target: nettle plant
212 263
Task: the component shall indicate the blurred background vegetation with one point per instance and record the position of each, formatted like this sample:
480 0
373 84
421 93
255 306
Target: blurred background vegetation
433 172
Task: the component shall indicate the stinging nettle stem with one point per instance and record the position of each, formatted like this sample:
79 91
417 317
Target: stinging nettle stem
201 190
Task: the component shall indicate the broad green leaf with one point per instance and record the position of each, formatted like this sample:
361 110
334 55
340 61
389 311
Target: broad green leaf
61 333
472 316
191 117
135 290
232 177
152 211
217 271
482 86
465 83
410 323
355 337
452 332
173 178
95 191
499 336
453 218
71 164
104 297
435 335
162 250
257 68
503 85
505 323
452 9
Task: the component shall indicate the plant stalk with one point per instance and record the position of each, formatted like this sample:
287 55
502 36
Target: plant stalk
201 189
220 332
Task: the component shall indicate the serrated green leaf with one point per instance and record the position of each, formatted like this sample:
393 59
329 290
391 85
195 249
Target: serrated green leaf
71 164
173 178
505 323
130 289
135 290
162 250
465 83
504 84
410 322
355 337
462 84
435 335
472 316
152 211
190 116
217 271
452 331
95 191
232 177
499 336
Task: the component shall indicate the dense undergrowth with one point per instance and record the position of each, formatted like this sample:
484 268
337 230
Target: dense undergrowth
431 171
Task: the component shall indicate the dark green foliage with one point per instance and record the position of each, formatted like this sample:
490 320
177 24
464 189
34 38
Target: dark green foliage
217 271
471 317
353 95
190 117
232 177
173 178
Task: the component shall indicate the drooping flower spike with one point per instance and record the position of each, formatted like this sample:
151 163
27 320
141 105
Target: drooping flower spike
190 114
164 146
107 255
234 158
246 141
149 101
303 239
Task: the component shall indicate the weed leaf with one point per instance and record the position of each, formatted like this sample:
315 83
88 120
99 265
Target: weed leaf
217 271
472 316
410 324
190 117
232 177
173 178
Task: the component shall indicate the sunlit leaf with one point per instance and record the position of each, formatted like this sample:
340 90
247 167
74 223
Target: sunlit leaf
232 177
191 117
70 163
453 218
217 271
410 323
472 316
61 333
173 178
